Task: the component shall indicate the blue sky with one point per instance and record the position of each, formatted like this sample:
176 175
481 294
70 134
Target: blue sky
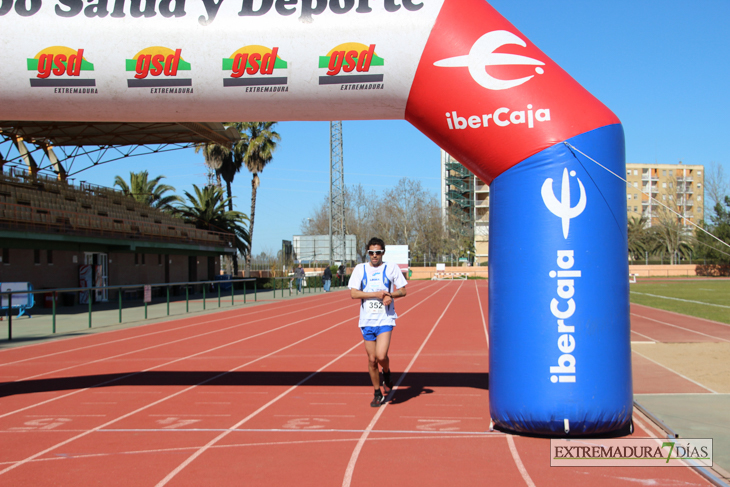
662 66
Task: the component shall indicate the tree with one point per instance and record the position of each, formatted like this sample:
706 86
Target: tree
206 209
404 215
639 237
255 150
709 247
226 162
147 192
716 185
216 156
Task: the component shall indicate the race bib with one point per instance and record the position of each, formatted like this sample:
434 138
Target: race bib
375 307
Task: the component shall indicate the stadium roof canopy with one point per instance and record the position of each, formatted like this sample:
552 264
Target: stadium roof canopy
115 134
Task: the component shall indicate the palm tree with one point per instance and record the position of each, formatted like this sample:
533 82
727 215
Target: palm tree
148 192
220 159
216 157
670 236
638 237
206 209
255 151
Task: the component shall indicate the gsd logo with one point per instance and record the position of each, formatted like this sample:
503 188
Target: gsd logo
561 208
482 55
60 66
346 63
258 68
157 67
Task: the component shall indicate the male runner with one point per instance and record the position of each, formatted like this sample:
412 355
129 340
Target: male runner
376 285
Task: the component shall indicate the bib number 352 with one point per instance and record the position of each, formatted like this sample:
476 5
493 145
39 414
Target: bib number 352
375 307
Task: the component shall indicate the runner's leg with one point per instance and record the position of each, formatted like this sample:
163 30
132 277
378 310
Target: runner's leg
370 348
382 344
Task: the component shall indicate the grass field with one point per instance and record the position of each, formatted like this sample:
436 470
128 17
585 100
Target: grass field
707 299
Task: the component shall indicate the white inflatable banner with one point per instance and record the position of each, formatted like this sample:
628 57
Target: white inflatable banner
202 60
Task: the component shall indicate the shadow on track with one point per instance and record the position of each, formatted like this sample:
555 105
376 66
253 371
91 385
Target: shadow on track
414 385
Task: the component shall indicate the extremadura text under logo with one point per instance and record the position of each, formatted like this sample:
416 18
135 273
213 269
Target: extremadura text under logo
60 67
158 67
349 65
258 68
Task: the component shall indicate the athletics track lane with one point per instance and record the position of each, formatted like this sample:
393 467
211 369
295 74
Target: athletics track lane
256 352
82 364
82 409
296 455
651 324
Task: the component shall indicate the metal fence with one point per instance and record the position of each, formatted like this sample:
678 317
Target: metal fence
218 291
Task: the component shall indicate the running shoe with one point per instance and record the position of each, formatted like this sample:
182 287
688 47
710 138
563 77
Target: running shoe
378 399
387 383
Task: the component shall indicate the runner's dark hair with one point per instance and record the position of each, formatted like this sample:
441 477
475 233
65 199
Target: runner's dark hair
376 241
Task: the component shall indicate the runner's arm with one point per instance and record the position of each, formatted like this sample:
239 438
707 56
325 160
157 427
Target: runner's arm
357 294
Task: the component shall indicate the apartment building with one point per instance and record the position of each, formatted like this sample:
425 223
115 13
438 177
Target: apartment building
676 186
466 197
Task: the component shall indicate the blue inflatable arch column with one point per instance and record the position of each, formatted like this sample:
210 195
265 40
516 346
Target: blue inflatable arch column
558 267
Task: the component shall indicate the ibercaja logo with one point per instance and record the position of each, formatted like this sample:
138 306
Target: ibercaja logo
349 65
61 68
258 68
157 68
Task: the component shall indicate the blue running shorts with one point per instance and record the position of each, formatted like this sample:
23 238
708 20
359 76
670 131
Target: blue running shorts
370 333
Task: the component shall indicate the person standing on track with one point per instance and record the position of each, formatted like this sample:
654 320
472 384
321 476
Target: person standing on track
341 275
327 279
299 275
377 285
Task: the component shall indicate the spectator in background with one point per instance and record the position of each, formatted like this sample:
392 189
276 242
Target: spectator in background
341 273
327 279
299 276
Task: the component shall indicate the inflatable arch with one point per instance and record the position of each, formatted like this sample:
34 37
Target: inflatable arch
457 70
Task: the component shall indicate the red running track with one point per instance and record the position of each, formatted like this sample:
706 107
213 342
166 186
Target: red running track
276 394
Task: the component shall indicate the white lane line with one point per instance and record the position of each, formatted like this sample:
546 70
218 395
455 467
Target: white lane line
685 317
681 328
518 462
484 322
674 371
164 365
225 433
294 430
314 416
681 394
680 299
249 445
115 342
510 440
645 336
347 480
199 452
97 428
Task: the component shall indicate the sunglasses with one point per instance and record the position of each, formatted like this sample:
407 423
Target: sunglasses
375 252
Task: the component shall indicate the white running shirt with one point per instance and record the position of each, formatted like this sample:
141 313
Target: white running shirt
372 311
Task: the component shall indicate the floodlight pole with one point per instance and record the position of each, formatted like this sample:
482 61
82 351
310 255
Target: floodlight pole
337 194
